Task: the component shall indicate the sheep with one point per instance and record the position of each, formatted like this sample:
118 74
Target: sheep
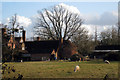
76 68
106 61
21 60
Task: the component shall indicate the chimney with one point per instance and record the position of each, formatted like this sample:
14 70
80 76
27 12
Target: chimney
24 35
23 46
38 38
21 40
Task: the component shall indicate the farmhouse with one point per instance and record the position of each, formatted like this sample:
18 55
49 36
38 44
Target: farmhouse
41 49
101 50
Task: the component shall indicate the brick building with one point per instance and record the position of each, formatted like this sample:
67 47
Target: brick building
41 50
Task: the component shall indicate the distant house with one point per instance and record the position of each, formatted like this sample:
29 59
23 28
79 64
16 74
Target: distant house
41 50
101 50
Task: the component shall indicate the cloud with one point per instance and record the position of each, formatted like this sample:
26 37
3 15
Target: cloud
105 28
91 28
91 20
6 21
23 21
103 22
72 9
106 18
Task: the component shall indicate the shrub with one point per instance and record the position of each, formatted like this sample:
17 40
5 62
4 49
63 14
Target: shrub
76 57
112 56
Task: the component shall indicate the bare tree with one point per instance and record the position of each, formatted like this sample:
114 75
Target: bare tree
109 37
84 42
96 35
57 23
14 25
12 28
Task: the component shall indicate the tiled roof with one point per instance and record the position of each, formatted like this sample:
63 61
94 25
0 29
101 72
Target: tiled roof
34 47
108 47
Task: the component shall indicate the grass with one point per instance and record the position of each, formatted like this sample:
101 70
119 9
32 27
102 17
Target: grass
62 69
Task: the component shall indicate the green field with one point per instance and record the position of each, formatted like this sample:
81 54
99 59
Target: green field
62 69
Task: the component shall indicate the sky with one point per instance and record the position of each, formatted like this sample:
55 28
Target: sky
102 15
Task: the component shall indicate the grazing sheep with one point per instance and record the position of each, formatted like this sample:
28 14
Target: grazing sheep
21 60
76 68
106 61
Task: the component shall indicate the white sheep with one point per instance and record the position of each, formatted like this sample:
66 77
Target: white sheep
106 61
21 60
76 68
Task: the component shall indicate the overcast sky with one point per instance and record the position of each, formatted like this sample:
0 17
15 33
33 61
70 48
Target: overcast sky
100 14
